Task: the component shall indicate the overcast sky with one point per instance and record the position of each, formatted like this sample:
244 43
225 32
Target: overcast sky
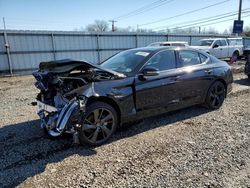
74 14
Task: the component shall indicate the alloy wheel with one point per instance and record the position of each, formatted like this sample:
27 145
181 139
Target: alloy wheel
216 95
98 125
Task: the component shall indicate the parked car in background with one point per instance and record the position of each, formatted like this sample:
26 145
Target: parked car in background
170 43
222 47
91 101
246 53
246 48
247 65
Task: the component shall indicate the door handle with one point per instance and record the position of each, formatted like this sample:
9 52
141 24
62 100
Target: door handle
175 77
209 71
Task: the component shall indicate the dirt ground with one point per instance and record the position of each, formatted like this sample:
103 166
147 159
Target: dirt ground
193 147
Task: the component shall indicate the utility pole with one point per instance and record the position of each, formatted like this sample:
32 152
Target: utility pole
239 13
113 24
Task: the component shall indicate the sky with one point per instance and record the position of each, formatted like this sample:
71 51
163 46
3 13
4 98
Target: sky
76 14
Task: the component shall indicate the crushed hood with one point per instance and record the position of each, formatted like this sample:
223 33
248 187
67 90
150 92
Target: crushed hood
67 65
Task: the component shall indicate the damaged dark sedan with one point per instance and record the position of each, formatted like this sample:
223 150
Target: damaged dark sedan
90 101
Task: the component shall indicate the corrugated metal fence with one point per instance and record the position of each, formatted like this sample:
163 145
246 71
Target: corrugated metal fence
21 51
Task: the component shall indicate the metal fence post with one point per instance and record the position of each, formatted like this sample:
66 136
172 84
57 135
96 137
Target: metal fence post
53 45
166 37
190 40
136 40
7 46
98 48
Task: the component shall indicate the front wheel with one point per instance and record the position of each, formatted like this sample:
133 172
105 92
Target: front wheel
98 124
216 95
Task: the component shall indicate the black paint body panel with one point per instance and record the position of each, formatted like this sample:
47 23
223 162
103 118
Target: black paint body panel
173 89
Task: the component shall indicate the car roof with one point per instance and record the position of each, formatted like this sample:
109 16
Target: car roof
160 48
215 39
170 42
233 38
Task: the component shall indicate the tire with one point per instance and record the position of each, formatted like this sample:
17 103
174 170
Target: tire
247 69
215 95
248 57
235 57
98 124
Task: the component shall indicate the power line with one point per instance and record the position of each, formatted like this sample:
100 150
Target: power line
213 23
207 19
144 9
140 9
219 22
185 13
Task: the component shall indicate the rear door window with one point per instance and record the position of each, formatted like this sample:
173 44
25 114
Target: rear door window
217 42
223 42
203 58
189 58
164 60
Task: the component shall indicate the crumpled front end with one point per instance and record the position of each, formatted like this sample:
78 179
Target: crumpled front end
65 86
59 120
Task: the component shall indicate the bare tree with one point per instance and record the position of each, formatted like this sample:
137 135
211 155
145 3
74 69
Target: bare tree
212 30
98 26
226 32
124 29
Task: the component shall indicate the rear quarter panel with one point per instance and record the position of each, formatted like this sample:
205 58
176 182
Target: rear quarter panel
222 71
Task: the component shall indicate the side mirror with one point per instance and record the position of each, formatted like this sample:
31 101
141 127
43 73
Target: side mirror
150 71
216 46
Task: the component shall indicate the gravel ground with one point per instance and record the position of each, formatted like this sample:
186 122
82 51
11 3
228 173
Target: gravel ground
193 147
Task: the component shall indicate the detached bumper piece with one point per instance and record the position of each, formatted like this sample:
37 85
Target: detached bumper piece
57 119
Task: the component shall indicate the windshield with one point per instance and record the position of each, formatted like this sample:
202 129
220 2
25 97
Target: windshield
205 42
126 61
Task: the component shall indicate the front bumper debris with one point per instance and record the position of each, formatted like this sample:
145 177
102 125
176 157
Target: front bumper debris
45 107
56 120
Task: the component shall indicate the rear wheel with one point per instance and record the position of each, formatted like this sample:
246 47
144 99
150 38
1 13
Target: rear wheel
235 57
98 125
216 95
247 68
248 57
